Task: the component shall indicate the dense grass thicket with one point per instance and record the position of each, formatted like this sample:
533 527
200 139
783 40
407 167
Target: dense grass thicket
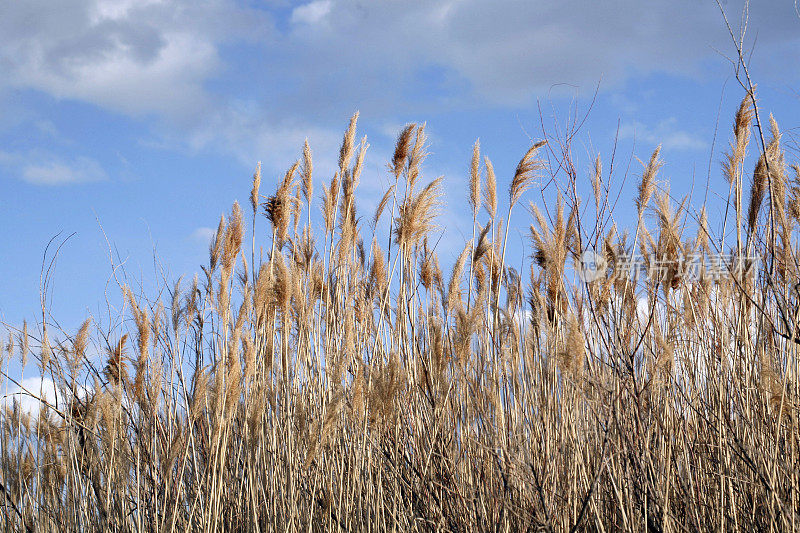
329 377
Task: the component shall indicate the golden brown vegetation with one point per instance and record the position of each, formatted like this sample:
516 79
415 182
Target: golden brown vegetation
331 385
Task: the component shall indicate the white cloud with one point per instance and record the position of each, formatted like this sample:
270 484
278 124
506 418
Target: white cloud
250 135
509 51
167 83
312 13
203 235
42 387
667 133
80 170
116 9
29 390
158 56
170 60
44 168
47 127
132 57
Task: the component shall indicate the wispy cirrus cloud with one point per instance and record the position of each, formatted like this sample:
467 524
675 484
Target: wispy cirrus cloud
43 168
667 133
203 235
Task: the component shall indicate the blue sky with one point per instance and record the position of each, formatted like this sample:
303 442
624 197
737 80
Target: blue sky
135 123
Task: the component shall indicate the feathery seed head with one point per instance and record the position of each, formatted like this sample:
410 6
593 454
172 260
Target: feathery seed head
647 186
307 171
346 151
490 193
525 173
256 184
382 205
475 178
401 149
417 215
233 238
215 251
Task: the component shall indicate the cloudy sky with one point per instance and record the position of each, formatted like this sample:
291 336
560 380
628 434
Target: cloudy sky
135 123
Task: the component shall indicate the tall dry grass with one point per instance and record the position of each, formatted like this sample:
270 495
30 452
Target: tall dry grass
338 381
